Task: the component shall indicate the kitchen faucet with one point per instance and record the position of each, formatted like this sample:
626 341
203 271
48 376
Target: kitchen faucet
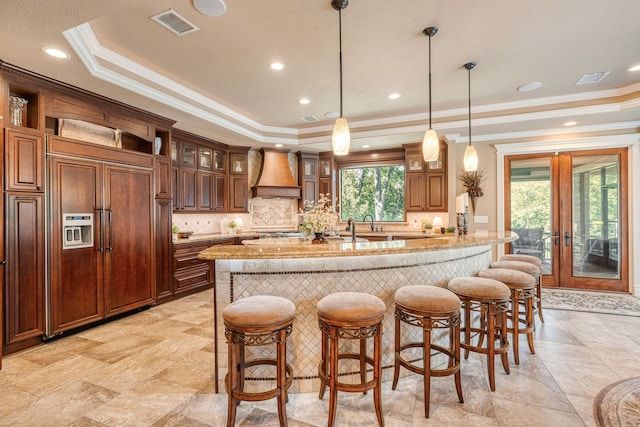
351 224
365 218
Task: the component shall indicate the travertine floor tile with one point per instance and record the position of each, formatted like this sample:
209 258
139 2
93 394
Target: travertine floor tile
155 368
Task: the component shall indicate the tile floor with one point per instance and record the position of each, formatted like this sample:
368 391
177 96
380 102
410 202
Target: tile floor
154 368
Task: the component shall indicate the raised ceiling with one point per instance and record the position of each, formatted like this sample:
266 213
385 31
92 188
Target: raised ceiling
217 82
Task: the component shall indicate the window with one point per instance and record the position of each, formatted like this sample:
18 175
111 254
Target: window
372 190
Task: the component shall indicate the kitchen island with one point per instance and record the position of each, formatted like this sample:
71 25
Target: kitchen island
304 273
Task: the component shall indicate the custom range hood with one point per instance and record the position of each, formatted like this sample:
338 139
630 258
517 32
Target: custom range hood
275 178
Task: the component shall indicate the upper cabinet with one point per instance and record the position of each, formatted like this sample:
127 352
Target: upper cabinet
24 160
238 179
199 173
425 182
308 176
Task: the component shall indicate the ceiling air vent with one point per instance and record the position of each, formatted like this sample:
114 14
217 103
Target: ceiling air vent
592 78
174 22
309 119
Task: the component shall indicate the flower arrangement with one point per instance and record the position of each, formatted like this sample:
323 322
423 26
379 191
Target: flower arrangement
317 217
472 182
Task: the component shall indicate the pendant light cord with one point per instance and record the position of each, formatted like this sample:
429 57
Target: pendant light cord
470 104
429 82
340 38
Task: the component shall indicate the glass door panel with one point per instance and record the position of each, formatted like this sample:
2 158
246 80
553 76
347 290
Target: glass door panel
595 216
531 209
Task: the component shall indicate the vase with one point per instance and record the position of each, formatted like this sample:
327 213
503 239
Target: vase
319 238
16 105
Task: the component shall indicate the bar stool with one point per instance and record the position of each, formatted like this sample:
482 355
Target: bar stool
350 315
490 299
428 307
521 285
538 263
256 321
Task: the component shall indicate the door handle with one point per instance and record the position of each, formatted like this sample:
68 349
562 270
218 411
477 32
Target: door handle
567 238
110 248
101 247
556 238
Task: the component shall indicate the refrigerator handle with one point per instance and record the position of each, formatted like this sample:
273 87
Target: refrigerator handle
110 248
101 232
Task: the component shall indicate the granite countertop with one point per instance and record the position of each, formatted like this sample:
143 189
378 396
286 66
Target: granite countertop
255 234
335 249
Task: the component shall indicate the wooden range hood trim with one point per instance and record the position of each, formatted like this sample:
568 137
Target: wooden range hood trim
275 178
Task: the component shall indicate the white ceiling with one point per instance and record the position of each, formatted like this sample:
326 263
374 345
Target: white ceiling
216 82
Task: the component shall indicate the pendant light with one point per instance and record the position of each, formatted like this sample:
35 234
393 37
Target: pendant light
430 142
340 139
470 161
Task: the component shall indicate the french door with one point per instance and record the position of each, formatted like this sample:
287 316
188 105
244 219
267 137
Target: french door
570 210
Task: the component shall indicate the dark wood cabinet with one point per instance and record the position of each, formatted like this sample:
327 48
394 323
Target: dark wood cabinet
238 180
308 176
24 160
220 192
199 174
414 200
163 249
162 172
425 182
24 291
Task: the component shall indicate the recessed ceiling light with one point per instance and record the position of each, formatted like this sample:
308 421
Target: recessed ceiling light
529 87
332 115
394 96
278 145
210 7
365 146
277 66
56 53
570 123
304 101
634 68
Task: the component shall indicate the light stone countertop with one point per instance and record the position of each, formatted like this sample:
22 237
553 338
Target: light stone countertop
340 249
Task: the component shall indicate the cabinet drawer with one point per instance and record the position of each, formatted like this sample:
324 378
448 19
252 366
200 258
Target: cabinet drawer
192 278
187 260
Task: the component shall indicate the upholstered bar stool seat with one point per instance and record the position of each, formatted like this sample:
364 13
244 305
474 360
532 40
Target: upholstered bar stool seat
350 315
538 276
256 321
521 285
489 299
428 307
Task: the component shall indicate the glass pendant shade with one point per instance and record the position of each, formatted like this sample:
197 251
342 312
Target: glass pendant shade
430 146
341 139
470 160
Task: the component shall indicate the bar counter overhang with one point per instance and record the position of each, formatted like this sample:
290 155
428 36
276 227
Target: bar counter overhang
306 273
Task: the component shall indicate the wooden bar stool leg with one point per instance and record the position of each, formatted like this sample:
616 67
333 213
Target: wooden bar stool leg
491 347
363 362
281 375
467 325
396 365
241 364
515 323
377 374
503 340
333 376
232 383
324 362
426 346
539 298
530 322
456 355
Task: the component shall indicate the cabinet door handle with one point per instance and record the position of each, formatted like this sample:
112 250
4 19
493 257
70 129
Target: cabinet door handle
101 247
110 247
556 238
567 238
